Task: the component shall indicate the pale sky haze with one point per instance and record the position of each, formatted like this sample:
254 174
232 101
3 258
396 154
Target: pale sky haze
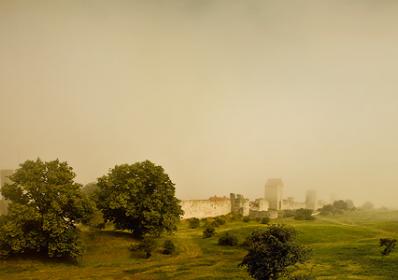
222 94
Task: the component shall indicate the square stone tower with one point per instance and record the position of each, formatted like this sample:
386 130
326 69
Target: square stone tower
310 200
273 193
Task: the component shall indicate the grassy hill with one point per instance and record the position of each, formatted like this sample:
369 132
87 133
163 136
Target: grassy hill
344 247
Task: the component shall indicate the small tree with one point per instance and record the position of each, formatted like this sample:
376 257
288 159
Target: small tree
141 198
168 247
194 222
209 231
146 245
388 244
220 220
304 214
272 251
228 239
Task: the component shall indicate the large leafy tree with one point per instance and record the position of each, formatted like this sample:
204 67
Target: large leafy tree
45 205
139 197
272 251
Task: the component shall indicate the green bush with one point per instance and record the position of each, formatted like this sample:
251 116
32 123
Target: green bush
168 247
146 245
194 222
265 220
209 231
228 239
304 214
388 244
220 221
246 219
272 251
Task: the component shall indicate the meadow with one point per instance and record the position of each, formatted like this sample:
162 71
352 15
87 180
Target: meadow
343 247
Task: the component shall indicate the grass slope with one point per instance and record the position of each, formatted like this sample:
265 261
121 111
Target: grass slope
344 247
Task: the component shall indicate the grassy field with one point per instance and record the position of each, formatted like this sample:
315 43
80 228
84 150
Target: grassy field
344 247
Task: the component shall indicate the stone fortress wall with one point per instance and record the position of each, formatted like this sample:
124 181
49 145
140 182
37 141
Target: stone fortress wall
212 207
267 206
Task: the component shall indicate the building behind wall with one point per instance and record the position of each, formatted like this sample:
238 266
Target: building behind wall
273 193
311 200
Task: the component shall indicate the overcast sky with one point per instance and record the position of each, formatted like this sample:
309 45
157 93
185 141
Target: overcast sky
222 94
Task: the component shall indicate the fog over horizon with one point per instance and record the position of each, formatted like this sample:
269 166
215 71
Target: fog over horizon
222 94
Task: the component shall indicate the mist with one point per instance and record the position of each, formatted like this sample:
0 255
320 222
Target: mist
222 94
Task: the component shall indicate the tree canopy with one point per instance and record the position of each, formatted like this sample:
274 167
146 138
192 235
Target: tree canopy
45 205
272 251
139 197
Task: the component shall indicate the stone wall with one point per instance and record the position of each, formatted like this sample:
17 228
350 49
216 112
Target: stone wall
212 207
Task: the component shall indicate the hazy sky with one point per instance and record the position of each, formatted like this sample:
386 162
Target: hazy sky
222 94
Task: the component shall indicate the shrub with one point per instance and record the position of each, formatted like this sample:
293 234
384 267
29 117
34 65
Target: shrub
220 221
228 239
388 244
146 245
272 251
287 213
168 247
304 214
246 219
235 217
194 222
209 231
265 220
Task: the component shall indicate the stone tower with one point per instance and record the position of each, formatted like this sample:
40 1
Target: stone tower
239 204
273 193
310 200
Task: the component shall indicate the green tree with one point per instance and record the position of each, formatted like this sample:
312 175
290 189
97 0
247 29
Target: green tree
3 207
139 197
272 251
194 222
304 214
45 205
209 231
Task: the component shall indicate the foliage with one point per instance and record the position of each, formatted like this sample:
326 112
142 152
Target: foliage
246 219
90 189
3 207
338 207
209 231
367 206
272 251
388 244
147 245
265 220
228 239
220 220
304 214
139 197
168 247
287 213
234 217
45 205
194 222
